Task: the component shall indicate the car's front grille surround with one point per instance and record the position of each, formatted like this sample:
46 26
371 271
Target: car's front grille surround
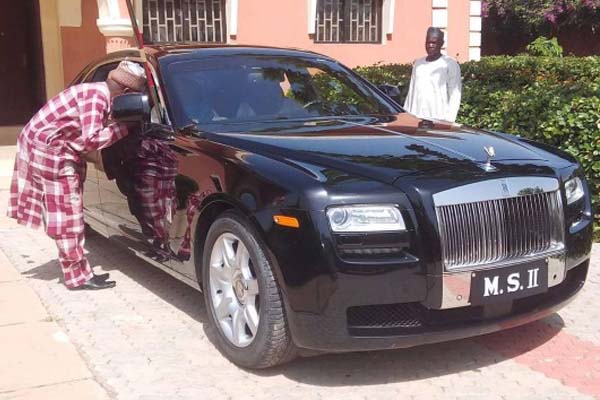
502 230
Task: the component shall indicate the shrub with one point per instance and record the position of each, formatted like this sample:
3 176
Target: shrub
536 15
545 47
549 99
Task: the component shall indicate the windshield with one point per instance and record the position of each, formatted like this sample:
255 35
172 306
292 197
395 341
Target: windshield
224 90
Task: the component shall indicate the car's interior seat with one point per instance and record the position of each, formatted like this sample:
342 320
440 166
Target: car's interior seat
195 99
264 97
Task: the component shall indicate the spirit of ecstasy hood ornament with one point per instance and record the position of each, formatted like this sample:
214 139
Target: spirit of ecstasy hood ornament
491 153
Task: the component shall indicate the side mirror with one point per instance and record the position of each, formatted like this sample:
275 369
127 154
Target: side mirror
131 107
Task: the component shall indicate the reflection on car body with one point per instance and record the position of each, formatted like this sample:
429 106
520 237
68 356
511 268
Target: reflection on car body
315 214
162 201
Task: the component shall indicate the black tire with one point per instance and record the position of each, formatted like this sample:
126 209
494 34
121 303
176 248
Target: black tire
272 344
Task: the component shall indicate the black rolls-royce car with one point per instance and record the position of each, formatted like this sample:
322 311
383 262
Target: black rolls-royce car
315 214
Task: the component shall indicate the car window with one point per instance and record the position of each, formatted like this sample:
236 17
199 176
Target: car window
334 90
251 89
101 74
102 71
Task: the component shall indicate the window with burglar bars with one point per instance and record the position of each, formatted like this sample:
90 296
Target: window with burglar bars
184 21
348 21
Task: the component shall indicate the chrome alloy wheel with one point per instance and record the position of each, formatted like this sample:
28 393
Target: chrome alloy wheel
234 290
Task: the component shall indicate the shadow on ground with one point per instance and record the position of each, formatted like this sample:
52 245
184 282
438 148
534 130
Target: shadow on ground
362 368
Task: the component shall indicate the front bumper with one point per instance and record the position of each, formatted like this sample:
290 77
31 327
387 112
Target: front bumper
391 326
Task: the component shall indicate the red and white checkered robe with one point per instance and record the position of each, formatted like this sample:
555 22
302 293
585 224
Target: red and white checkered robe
193 205
154 186
47 181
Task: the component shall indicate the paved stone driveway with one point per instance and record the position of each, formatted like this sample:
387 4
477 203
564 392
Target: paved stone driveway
146 339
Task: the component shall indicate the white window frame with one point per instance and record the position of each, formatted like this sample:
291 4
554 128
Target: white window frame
388 10
231 16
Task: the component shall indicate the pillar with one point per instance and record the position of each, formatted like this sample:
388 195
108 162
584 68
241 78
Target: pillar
114 23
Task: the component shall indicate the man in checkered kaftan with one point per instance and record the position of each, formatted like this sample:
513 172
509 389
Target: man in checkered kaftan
46 188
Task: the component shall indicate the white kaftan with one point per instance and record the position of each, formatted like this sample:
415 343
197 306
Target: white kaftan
435 89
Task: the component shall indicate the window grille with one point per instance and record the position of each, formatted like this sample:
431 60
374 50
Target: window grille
183 21
348 21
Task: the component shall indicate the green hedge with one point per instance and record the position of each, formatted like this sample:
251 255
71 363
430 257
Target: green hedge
552 100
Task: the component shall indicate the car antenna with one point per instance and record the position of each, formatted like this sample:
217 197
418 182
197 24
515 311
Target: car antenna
140 45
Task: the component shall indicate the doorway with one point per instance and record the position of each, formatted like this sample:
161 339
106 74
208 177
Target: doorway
22 85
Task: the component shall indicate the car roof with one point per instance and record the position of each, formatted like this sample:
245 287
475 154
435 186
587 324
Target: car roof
199 51
223 49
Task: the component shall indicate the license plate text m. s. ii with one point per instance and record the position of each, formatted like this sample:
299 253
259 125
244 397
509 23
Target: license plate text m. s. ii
509 283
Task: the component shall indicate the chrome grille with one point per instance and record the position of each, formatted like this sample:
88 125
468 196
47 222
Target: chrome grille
500 230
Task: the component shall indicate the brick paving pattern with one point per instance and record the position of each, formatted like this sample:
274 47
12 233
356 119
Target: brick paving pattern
147 340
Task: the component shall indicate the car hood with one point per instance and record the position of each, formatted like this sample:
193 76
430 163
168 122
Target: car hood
383 148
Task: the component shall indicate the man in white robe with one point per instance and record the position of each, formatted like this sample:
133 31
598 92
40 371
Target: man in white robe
435 84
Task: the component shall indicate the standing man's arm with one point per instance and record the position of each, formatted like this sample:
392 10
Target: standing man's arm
408 102
97 136
454 90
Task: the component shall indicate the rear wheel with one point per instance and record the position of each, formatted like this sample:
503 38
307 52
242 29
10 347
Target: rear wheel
243 299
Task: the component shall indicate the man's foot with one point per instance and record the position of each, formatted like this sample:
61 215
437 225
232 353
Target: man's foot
95 283
102 277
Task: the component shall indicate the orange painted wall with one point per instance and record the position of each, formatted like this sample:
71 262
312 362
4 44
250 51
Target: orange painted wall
284 23
458 30
83 44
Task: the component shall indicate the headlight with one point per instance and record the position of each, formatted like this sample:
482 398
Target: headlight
574 190
371 218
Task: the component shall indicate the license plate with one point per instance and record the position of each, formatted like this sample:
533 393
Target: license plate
509 283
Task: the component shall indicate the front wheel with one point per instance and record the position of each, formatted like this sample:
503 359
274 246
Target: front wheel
243 299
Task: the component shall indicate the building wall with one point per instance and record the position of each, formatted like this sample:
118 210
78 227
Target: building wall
81 44
285 23
52 47
458 29
257 22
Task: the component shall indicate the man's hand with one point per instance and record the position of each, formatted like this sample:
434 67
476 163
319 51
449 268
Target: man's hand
158 131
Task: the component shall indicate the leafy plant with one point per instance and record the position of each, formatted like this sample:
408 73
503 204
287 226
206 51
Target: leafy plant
533 14
545 47
548 99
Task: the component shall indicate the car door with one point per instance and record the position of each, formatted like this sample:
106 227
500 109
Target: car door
148 193
92 201
136 184
105 196
115 166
